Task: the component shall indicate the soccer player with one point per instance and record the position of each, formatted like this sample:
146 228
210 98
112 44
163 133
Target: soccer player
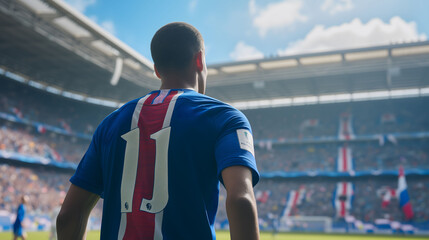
158 160
18 231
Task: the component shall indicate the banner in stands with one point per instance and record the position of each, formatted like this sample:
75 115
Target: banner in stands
344 159
345 131
367 173
42 128
262 143
36 160
343 198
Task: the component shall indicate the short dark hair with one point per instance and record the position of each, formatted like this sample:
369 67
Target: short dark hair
174 45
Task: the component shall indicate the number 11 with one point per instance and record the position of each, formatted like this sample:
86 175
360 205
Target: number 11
160 187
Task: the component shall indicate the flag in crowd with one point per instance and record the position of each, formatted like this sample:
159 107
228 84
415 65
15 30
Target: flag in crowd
388 195
294 199
17 112
404 199
382 139
52 154
262 196
41 129
267 144
309 123
65 126
401 193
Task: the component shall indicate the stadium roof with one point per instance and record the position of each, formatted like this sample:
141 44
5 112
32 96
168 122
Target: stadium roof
49 42
336 74
63 52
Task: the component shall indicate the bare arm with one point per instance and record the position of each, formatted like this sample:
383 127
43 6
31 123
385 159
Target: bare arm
240 203
73 217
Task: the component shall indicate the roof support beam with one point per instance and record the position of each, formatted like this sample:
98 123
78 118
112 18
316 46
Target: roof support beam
48 16
117 73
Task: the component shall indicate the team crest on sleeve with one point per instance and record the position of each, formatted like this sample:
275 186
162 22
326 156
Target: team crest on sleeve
245 140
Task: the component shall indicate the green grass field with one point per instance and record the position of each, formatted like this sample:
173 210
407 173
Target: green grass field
264 236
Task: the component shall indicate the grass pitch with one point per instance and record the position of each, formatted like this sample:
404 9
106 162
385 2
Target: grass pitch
222 235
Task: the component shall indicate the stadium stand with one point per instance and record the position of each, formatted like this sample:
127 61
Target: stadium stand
380 117
306 153
45 188
35 105
304 109
366 156
29 142
24 102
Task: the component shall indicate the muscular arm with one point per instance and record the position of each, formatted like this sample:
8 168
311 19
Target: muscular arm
240 203
73 217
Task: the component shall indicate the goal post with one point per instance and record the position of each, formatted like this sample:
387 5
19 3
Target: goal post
305 224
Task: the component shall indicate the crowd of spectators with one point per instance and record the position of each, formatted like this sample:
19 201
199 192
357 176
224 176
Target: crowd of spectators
323 156
37 105
45 188
369 117
318 201
372 117
26 141
411 153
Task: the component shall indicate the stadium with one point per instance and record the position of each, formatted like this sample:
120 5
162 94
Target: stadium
337 134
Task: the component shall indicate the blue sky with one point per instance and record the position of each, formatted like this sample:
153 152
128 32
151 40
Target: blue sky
236 30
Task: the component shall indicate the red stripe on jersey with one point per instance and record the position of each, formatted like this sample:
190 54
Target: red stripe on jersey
140 224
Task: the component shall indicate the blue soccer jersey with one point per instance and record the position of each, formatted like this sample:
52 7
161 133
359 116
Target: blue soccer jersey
17 226
157 162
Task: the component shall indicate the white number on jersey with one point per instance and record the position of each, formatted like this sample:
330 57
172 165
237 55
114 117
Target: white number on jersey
160 187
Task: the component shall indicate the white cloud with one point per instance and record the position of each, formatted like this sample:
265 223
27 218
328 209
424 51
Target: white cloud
193 5
243 52
355 34
80 5
252 7
336 6
277 15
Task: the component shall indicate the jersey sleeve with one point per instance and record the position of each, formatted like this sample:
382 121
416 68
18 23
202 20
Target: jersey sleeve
234 145
88 174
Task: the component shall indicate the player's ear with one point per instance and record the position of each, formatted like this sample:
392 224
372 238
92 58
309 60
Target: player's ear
156 72
199 61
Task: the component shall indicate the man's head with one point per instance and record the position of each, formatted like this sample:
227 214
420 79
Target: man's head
24 199
178 48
